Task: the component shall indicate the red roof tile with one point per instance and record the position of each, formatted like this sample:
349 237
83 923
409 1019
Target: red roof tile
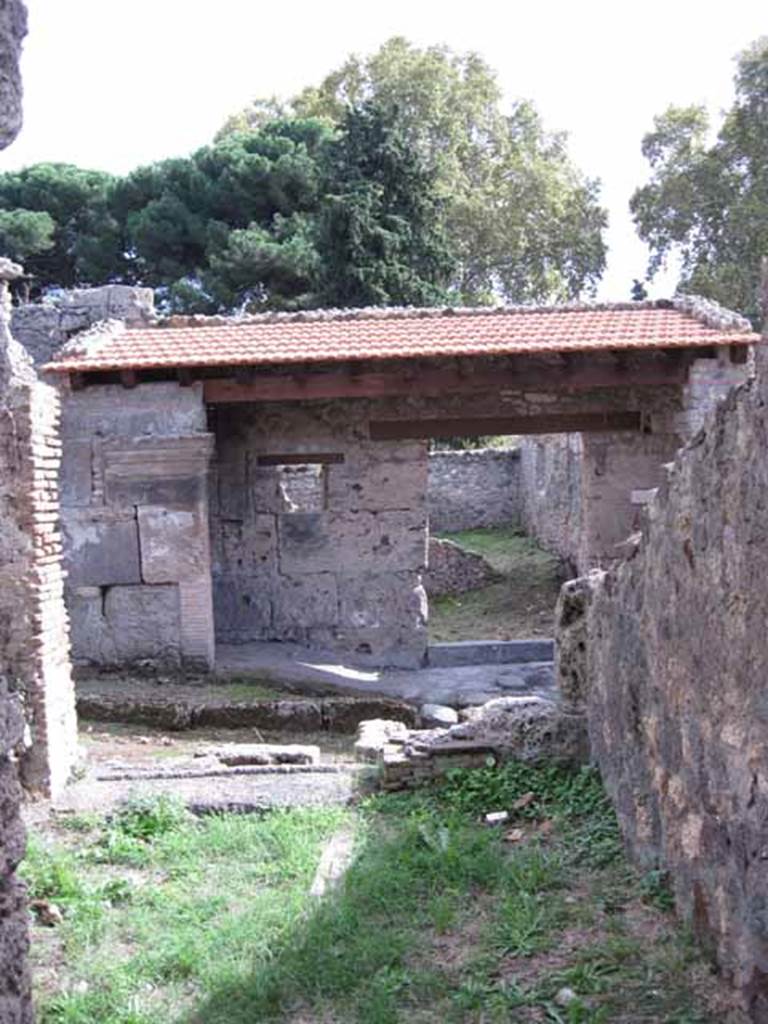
333 336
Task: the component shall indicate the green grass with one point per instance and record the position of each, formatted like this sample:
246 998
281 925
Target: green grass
168 918
520 605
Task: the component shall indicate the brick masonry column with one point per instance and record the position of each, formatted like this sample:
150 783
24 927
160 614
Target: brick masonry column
34 630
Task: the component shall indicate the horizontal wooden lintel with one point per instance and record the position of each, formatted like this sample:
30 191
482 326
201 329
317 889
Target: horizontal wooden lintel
556 423
301 459
439 382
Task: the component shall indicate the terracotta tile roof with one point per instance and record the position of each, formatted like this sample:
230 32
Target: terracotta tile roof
323 336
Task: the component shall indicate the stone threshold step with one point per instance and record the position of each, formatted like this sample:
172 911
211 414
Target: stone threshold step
489 652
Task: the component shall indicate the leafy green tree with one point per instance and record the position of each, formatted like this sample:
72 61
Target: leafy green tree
380 237
85 240
708 204
223 226
24 233
522 221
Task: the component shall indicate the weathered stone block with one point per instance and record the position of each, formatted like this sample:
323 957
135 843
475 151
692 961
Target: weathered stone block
149 409
524 729
90 636
101 549
383 601
173 543
247 548
144 622
303 603
75 474
373 479
242 609
232 483
571 638
352 541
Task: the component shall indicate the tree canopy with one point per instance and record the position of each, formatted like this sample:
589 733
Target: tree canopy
293 214
708 203
397 180
523 222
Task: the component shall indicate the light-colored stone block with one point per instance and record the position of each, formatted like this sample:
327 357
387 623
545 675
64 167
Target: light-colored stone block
173 543
352 541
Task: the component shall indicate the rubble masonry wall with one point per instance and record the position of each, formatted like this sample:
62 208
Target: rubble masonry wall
474 488
677 703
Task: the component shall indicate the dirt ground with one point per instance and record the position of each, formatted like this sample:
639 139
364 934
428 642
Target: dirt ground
109 741
521 605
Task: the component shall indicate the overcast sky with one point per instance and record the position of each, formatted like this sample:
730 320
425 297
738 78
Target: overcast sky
111 85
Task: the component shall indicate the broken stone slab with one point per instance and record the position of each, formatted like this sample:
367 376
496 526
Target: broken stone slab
375 734
530 729
215 770
334 861
438 715
525 729
232 754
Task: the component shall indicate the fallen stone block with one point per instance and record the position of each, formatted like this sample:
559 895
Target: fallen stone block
375 734
233 754
438 715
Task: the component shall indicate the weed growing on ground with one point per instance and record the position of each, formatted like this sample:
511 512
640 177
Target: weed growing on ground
438 919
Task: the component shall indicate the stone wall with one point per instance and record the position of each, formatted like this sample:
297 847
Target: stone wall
135 520
329 555
550 493
43 327
15 987
474 488
677 703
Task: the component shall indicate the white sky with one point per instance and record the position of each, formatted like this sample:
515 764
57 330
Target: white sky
111 85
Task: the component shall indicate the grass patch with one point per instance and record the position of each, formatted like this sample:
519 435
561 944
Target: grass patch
520 605
438 919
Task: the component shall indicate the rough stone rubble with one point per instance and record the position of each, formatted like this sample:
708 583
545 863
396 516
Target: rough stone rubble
15 985
668 649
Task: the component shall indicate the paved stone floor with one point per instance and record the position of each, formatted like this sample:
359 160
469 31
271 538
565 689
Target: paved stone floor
458 687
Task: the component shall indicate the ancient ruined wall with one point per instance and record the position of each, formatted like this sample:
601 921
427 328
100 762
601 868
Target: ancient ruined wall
135 521
475 488
43 327
13 28
677 701
15 995
328 555
21 609
550 492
